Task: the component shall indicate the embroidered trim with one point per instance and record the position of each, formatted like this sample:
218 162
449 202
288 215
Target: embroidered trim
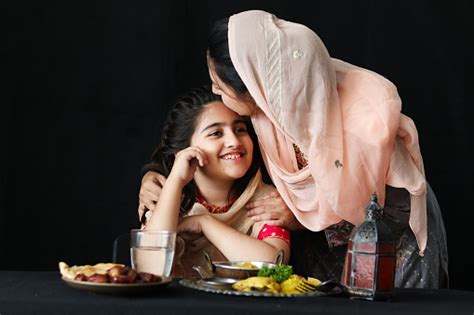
301 158
273 66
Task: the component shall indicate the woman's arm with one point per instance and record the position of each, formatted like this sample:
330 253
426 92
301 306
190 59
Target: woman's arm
235 245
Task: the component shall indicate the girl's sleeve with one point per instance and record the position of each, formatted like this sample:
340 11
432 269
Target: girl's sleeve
274 231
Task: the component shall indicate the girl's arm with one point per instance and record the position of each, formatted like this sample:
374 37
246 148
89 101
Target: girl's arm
166 213
235 245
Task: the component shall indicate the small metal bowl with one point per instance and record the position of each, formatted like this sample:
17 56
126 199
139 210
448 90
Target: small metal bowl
231 269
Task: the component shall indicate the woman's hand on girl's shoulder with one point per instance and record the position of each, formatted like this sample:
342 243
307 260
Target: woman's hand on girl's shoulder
272 210
150 189
186 163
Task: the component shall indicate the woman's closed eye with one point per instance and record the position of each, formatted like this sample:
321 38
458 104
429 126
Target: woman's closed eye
240 130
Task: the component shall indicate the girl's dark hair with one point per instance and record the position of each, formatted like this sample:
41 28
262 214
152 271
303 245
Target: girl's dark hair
177 131
218 50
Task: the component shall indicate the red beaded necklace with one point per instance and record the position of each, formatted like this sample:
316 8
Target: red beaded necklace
213 208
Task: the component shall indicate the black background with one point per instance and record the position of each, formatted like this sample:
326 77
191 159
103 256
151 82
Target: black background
87 87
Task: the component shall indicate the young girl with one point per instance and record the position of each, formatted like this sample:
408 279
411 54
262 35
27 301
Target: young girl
212 170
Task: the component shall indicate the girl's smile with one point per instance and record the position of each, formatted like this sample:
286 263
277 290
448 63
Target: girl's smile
222 135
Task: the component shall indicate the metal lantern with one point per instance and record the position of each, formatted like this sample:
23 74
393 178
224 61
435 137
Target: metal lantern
369 268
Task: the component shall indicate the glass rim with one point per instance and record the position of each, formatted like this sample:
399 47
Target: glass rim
153 231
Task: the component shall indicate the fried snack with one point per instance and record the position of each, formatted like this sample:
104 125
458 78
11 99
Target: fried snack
86 270
314 281
290 284
106 273
265 284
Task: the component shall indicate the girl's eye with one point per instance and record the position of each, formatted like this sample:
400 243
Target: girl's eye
215 133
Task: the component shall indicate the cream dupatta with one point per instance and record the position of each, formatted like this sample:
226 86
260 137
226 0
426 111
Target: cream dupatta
189 250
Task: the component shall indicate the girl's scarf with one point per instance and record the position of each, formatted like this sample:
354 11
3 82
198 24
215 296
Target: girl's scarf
189 248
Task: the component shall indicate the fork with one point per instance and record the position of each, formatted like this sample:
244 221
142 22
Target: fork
305 286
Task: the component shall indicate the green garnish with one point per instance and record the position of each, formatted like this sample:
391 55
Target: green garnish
279 273
265 271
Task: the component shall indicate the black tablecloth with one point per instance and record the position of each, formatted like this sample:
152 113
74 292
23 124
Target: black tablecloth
46 293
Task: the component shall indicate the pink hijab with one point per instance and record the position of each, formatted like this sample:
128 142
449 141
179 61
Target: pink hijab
345 119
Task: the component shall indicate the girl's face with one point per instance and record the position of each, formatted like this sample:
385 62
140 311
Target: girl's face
242 106
222 134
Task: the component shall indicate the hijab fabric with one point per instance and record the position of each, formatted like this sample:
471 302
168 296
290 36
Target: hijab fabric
347 120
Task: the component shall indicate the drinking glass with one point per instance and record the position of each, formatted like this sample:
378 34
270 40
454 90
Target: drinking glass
152 251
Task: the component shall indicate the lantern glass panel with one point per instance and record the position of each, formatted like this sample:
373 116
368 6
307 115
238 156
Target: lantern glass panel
364 271
365 247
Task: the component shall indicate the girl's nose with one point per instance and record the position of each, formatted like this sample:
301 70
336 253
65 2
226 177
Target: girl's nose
232 141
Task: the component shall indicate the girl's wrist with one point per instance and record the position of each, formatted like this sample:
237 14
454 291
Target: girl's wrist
175 179
204 220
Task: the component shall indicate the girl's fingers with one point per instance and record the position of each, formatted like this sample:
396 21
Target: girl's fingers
201 157
194 153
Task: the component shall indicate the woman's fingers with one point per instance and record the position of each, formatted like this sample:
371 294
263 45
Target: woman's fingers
278 222
141 211
145 195
272 210
159 179
270 199
150 190
265 216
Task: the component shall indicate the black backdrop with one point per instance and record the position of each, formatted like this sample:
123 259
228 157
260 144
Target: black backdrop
88 86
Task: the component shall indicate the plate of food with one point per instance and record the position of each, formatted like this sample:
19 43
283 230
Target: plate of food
110 278
270 280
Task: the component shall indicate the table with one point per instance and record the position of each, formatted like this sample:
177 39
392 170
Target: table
30 292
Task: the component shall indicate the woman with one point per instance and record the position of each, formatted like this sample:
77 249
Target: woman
212 170
331 134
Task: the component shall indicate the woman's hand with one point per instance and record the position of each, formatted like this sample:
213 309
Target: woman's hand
186 163
150 190
272 210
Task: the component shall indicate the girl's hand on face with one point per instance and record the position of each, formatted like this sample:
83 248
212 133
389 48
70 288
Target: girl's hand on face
272 210
186 163
150 190
192 224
